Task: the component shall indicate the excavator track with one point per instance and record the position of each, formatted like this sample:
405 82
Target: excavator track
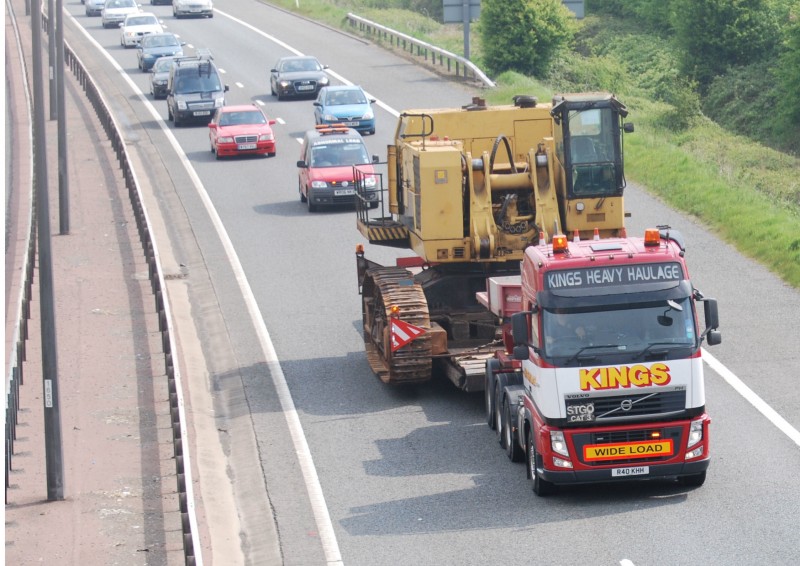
383 288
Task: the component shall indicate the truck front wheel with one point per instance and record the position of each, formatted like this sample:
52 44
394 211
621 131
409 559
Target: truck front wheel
540 486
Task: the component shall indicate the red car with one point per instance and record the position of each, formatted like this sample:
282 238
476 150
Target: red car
329 158
241 130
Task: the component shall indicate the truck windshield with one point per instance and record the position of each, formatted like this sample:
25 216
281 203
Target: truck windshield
632 329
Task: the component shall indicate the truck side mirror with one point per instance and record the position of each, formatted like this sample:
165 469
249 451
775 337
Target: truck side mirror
520 353
711 334
519 328
711 313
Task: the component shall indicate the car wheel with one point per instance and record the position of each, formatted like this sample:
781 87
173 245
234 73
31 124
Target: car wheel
300 190
488 391
311 206
271 154
169 113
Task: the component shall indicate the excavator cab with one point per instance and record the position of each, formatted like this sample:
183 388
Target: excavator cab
588 132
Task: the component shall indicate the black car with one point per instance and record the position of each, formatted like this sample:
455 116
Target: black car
297 76
194 90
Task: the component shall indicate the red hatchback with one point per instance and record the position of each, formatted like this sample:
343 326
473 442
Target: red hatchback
241 130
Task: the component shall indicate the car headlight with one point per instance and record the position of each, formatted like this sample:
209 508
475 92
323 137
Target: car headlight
368 115
266 137
159 82
284 84
181 105
225 139
330 118
219 102
324 81
370 182
318 184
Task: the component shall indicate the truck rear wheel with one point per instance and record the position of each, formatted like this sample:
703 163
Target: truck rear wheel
510 441
498 409
488 391
540 486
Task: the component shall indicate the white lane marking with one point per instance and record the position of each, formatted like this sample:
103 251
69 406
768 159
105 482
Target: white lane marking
750 395
221 70
626 562
240 85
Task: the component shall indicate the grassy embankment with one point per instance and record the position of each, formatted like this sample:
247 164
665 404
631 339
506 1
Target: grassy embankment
748 194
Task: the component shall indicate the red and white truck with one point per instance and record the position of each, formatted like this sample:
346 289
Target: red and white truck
601 375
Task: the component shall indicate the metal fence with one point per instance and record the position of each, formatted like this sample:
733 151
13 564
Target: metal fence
441 59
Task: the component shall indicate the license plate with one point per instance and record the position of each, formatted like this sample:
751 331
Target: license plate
351 124
625 472
202 113
344 192
305 87
244 146
195 10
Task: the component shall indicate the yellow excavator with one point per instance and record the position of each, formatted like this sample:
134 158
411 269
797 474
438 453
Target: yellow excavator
467 190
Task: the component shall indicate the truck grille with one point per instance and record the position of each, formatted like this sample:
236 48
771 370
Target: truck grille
625 407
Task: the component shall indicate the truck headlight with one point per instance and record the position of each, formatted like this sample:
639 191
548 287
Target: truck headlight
318 184
370 182
695 433
219 102
558 444
181 105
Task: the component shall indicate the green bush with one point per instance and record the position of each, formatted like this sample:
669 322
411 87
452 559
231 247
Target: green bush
524 35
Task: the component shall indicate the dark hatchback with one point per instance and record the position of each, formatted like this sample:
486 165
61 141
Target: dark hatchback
297 76
156 45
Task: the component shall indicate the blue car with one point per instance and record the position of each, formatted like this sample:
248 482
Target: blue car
155 45
348 105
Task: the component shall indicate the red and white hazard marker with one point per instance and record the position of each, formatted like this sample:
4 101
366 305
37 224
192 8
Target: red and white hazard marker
403 333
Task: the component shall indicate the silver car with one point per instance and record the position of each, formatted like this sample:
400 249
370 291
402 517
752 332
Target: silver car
192 8
94 7
114 12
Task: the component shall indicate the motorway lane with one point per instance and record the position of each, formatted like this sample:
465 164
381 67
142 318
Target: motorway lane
416 473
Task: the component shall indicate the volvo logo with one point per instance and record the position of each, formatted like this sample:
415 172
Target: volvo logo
626 405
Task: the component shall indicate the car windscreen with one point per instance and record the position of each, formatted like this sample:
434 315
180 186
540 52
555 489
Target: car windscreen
242 117
197 83
339 154
141 21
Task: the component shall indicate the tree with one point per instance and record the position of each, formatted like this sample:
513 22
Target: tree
788 74
714 35
524 35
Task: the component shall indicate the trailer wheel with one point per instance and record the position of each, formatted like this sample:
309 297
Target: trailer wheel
695 480
488 391
513 449
540 486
